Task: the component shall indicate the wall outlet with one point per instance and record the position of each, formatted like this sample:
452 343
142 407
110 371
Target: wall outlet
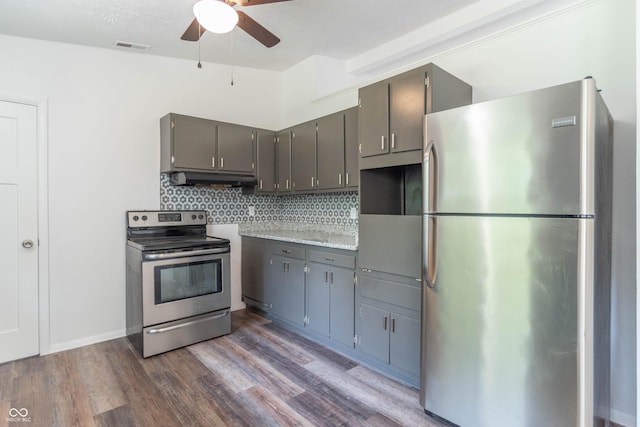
353 214
252 211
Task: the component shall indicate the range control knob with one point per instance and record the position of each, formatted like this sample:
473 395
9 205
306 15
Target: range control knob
193 217
136 217
144 217
200 216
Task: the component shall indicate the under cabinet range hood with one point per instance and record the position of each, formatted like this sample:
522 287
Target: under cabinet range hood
212 178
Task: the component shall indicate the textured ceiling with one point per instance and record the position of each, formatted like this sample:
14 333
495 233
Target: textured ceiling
338 29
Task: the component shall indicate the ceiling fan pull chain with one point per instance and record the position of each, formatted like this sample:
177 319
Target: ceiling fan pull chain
199 37
232 49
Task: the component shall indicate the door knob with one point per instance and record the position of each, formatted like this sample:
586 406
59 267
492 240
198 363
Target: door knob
27 243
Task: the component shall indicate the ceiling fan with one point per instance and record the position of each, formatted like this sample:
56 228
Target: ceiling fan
245 22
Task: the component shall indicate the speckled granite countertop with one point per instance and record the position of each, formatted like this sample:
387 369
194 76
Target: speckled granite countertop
328 236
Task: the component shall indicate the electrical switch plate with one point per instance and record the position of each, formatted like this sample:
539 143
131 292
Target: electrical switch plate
353 214
252 211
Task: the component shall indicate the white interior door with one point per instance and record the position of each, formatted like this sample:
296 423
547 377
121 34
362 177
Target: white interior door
18 231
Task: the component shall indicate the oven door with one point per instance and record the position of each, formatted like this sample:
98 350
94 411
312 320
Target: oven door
180 285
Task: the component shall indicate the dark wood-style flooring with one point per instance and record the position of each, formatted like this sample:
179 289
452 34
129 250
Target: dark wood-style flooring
259 375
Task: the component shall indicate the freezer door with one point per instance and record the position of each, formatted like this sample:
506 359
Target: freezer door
500 321
527 154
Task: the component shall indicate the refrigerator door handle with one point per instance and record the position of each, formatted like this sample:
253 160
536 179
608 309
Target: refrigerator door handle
429 175
429 267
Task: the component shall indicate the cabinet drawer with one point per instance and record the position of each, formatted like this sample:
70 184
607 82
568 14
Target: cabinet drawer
339 260
390 292
288 250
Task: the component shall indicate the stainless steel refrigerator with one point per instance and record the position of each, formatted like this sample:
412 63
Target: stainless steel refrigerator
517 260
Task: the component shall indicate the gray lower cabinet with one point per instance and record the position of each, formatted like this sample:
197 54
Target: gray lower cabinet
254 291
287 287
330 295
388 325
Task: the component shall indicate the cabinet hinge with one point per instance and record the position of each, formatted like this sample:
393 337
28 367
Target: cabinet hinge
253 166
173 124
253 135
360 311
306 320
316 127
355 339
355 280
427 82
293 134
359 102
306 269
360 148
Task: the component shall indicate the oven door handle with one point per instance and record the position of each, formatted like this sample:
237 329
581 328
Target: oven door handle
182 325
168 255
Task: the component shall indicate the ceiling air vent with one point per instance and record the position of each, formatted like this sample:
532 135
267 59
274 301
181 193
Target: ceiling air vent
129 45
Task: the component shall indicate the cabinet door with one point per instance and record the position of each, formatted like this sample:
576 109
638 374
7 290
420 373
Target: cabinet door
318 297
235 148
341 306
194 143
277 286
407 110
294 278
404 346
283 183
266 160
351 147
253 258
331 151
373 120
303 157
374 332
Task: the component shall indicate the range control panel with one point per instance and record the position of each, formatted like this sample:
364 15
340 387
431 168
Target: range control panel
165 218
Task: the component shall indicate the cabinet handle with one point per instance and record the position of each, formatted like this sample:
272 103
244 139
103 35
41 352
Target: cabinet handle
329 259
382 142
331 277
286 183
346 176
313 181
326 276
393 140
261 184
221 162
384 322
339 179
393 324
213 162
286 251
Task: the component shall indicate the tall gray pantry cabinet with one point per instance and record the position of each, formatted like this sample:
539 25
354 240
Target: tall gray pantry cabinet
390 138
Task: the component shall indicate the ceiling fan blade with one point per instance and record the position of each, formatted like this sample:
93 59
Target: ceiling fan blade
256 30
193 32
244 3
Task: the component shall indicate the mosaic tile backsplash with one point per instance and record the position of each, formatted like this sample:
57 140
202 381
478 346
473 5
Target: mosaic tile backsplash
230 206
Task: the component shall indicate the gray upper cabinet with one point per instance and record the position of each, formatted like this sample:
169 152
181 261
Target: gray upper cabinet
266 160
187 143
303 157
283 152
195 144
331 152
235 148
351 147
391 113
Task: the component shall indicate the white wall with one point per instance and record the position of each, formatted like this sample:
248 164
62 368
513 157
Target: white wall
103 140
594 38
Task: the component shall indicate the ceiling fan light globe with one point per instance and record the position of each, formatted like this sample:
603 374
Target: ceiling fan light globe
215 16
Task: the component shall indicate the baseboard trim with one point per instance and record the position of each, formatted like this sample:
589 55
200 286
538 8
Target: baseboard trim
622 419
94 339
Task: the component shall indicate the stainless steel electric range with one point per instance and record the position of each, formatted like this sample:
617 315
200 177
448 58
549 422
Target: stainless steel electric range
178 285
